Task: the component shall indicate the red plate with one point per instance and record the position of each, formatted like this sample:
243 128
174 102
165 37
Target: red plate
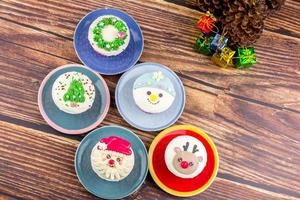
166 179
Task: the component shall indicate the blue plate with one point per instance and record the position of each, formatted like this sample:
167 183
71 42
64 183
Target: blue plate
77 123
133 114
104 64
110 189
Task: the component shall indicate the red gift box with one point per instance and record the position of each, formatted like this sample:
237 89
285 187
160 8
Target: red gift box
206 23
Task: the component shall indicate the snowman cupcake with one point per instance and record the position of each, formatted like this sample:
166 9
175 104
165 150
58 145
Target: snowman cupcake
109 35
112 158
73 92
153 92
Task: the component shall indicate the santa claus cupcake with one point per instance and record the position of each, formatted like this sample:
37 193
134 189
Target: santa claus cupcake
112 158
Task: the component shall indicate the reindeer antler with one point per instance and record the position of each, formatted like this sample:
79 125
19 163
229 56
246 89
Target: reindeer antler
195 149
185 147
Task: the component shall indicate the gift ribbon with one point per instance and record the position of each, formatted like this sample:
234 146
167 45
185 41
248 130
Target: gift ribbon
248 55
206 22
205 40
227 55
221 37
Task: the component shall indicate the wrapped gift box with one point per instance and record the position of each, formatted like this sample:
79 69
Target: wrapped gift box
202 44
206 23
245 58
224 58
218 43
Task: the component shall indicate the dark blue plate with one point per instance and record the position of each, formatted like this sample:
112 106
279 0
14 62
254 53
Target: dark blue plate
110 189
133 114
104 64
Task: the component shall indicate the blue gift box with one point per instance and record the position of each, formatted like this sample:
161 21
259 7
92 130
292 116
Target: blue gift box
218 43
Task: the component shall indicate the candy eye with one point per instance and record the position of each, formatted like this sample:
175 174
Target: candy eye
191 163
148 93
108 156
119 159
160 95
179 159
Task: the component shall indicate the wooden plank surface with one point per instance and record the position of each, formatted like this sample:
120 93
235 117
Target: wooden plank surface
37 165
253 116
248 83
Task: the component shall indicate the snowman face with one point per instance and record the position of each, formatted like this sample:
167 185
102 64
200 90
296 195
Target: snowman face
152 100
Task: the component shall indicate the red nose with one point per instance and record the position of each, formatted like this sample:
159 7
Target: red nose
184 164
111 162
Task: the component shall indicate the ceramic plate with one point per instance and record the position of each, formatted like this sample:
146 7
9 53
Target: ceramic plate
73 123
110 189
177 137
112 64
133 114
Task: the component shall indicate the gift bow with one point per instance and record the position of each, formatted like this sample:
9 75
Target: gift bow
247 53
211 16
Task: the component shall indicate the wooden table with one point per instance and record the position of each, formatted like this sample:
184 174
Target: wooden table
252 116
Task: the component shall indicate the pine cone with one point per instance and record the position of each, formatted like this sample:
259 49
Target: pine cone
214 6
274 5
244 21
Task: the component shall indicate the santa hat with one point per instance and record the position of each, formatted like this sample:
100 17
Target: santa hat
114 143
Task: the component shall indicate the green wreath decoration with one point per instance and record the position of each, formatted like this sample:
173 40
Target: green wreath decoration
119 41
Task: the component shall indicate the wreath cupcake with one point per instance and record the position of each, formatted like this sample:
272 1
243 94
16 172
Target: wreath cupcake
109 35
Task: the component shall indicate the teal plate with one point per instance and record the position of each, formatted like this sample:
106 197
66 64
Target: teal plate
110 189
78 123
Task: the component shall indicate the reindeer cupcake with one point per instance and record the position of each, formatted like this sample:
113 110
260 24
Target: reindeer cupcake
183 160
185 156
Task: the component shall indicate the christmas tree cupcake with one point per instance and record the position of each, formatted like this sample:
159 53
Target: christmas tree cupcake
73 92
109 35
112 158
153 92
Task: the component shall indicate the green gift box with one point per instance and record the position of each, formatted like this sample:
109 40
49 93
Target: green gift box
245 58
202 44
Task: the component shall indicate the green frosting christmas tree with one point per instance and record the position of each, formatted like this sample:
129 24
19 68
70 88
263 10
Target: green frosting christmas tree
75 92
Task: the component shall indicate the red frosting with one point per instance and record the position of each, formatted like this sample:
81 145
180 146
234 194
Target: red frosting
117 144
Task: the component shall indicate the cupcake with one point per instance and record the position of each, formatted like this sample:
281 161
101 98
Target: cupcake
185 156
73 92
112 158
109 35
153 92
183 160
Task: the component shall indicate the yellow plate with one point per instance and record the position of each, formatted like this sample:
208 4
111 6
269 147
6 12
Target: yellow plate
165 187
